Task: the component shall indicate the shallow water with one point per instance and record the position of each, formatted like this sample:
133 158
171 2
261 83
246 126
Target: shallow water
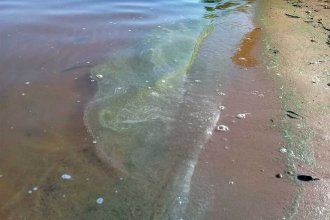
144 77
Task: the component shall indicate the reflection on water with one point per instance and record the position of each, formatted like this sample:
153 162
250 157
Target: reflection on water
155 103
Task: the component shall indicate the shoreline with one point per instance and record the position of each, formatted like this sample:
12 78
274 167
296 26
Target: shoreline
297 54
240 165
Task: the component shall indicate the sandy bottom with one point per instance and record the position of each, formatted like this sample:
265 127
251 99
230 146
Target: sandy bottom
43 140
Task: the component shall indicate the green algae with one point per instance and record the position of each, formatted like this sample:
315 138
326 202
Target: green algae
163 66
226 5
211 1
220 5
132 114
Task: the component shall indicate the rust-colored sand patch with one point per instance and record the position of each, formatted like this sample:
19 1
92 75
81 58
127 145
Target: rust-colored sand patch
244 57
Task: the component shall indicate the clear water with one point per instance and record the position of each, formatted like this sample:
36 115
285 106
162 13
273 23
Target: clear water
159 68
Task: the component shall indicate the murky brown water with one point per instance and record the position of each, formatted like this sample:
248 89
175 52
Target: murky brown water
48 50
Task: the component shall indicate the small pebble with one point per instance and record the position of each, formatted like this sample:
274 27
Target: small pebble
315 80
94 142
279 176
99 200
99 76
290 173
231 182
35 188
242 115
66 177
283 150
222 128
226 148
222 107
27 83
30 191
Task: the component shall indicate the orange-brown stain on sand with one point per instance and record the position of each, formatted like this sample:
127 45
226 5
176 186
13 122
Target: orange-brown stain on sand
244 56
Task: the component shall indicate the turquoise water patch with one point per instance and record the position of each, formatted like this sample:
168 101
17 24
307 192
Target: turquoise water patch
134 111
138 95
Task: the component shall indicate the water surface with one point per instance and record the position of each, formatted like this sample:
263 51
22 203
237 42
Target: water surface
116 94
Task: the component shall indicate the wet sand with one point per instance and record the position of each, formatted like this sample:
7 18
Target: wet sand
244 160
299 31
